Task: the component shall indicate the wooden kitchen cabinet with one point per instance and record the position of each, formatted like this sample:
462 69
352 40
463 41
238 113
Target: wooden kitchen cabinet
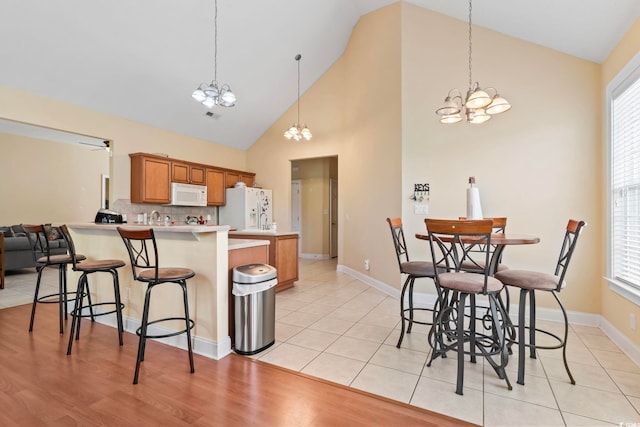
234 176
216 194
283 254
152 175
187 173
150 179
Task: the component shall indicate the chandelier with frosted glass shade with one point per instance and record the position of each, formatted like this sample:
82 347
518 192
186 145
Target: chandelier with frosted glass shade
297 132
478 106
214 93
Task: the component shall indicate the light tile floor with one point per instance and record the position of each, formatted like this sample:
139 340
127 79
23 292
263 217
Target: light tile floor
20 285
333 326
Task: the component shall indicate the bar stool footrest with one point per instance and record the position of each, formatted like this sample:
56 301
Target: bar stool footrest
418 322
92 306
166 319
43 299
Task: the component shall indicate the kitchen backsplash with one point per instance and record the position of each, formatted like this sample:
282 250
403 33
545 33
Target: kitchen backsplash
178 214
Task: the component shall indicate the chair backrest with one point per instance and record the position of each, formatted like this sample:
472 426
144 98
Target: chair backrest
499 227
71 247
571 235
38 236
453 241
397 233
142 249
499 223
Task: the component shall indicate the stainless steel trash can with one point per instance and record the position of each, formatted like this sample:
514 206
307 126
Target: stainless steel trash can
254 293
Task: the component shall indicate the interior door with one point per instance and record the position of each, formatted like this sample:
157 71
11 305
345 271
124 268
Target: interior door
333 218
296 210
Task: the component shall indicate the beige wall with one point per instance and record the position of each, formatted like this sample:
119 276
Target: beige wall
127 136
354 112
537 164
45 181
616 309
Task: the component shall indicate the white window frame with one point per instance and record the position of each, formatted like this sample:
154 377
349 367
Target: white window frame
629 74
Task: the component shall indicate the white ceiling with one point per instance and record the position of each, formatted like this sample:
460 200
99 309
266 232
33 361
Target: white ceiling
141 59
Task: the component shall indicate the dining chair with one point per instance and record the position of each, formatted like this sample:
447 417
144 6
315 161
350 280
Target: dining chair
413 270
145 266
39 237
531 281
86 268
455 325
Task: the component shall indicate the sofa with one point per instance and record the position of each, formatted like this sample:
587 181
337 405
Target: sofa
17 251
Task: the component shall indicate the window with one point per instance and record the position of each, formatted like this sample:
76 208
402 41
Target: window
623 95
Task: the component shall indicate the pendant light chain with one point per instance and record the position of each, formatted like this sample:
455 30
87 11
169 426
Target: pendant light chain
477 106
298 131
470 50
298 61
215 42
214 93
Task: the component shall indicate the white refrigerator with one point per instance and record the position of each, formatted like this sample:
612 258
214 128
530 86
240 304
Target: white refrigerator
247 209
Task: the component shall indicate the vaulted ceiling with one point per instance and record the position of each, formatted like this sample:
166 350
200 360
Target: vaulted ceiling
141 59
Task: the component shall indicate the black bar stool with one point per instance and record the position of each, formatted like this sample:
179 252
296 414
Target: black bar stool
44 257
414 270
143 253
89 267
531 281
450 242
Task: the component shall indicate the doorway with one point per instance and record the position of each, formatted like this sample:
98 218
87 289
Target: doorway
314 206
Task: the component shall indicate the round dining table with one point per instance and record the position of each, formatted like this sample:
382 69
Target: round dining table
499 241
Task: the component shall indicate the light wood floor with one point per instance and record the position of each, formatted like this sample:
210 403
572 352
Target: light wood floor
41 386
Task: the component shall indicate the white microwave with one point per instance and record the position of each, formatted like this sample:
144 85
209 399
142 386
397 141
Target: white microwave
188 194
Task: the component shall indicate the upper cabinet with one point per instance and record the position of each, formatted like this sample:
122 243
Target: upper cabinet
152 175
235 176
187 173
216 194
150 179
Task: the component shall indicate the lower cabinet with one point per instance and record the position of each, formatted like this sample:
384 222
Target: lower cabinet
283 254
241 256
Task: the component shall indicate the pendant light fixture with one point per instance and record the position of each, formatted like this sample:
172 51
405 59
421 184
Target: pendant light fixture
478 106
214 93
296 132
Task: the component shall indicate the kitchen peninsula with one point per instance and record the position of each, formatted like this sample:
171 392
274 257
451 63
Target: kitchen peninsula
203 248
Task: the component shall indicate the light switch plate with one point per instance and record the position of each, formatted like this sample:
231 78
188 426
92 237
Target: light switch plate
421 209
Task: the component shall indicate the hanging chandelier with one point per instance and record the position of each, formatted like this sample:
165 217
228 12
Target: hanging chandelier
296 132
478 105
214 93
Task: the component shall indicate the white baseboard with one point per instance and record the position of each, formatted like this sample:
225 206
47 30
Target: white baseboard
204 347
631 349
314 256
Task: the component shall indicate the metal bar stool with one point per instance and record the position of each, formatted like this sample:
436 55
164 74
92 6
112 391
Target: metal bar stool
414 270
450 242
143 253
89 267
38 236
531 281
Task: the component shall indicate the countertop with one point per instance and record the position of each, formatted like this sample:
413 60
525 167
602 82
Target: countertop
262 233
182 228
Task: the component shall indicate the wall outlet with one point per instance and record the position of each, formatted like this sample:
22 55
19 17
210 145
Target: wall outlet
633 321
366 264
